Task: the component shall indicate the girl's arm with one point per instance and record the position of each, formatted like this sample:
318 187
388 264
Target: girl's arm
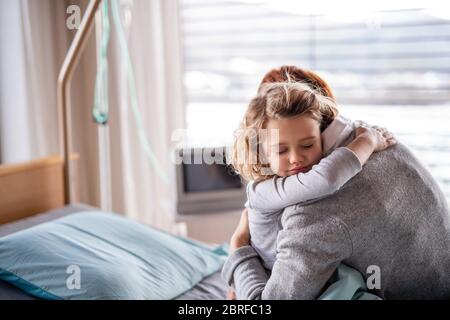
325 178
369 140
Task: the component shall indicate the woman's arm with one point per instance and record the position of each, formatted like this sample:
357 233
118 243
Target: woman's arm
308 254
325 178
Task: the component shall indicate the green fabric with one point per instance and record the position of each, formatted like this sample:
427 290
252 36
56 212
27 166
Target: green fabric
347 284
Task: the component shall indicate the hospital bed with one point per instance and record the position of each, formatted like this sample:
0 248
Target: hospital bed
32 193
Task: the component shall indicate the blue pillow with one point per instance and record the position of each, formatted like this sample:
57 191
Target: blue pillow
97 255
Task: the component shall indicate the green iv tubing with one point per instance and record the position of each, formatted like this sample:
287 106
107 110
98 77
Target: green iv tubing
101 103
100 110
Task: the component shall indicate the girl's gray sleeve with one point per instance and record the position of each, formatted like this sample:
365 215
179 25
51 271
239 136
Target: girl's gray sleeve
324 178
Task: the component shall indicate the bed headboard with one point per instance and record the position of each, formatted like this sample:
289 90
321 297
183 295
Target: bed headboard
32 187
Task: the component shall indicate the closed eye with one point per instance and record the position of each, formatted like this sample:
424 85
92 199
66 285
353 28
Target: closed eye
308 146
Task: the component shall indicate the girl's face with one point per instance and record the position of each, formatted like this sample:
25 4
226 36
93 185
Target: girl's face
299 146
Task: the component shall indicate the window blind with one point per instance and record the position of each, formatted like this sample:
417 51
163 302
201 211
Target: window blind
391 64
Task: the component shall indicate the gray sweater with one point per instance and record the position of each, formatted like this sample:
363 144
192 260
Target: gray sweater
392 215
267 200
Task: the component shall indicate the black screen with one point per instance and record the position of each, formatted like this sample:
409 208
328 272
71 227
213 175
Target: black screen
209 177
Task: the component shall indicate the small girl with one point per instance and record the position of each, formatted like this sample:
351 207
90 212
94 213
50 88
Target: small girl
296 168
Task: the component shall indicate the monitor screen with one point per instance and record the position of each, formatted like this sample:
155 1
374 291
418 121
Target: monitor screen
209 177
205 183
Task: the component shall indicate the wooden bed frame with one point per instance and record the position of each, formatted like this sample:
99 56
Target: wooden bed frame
33 187
52 182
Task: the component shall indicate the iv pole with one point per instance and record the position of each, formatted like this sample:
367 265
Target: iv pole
64 80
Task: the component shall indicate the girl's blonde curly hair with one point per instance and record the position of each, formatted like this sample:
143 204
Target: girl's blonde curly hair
294 92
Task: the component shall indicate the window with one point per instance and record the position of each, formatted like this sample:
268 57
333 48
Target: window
388 65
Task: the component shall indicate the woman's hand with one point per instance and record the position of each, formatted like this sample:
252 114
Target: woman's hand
231 294
241 236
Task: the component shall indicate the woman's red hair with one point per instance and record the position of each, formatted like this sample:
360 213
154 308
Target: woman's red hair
295 74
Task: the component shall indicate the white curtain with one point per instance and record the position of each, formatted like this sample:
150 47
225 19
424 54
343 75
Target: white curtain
34 40
27 80
152 38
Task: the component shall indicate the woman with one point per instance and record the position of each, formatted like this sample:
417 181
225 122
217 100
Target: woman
391 219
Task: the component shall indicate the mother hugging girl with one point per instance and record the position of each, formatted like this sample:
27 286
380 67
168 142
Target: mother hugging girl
320 194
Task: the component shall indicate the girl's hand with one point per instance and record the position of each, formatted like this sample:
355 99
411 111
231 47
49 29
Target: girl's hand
241 236
380 137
